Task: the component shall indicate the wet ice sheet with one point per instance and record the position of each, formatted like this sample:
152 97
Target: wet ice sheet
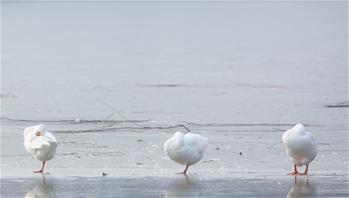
192 186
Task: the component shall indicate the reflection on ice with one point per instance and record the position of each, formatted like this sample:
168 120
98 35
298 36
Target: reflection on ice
301 188
183 187
41 190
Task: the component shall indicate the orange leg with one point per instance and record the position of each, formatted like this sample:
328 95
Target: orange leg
42 168
295 172
185 170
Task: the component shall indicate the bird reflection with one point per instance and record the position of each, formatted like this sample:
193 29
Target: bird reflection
301 188
183 187
41 190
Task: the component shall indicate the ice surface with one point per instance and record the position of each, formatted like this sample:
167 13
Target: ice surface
237 73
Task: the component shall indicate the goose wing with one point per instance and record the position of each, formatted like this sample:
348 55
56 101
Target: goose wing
301 145
196 141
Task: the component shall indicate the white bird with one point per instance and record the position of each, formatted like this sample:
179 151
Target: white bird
40 144
300 146
186 149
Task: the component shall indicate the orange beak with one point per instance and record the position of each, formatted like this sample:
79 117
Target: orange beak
38 133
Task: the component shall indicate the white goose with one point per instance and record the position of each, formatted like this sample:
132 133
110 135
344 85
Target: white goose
186 149
40 144
300 146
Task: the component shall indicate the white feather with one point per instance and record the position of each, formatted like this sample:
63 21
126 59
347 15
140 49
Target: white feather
300 145
185 149
42 147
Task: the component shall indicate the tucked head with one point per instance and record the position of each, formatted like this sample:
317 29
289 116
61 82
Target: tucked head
299 126
299 129
34 130
178 134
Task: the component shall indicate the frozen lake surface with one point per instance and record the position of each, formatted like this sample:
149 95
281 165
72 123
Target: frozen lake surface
238 73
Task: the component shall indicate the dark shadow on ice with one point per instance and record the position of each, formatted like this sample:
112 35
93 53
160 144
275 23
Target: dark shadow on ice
338 105
301 188
43 189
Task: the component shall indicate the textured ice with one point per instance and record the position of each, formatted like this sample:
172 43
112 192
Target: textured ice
237 73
